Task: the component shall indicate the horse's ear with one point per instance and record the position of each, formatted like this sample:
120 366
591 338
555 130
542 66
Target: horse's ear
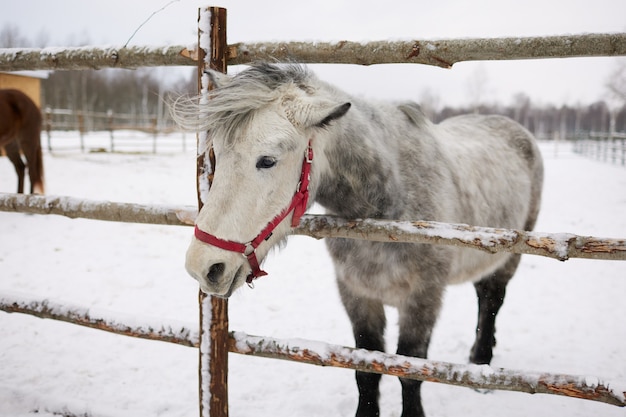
336 113
218 79
313 113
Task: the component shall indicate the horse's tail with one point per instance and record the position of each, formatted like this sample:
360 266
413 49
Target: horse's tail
35 171
32 139
31 148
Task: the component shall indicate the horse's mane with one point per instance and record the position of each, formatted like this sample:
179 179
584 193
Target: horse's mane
231 106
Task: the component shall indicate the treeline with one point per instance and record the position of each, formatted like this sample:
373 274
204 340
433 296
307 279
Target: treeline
123 91
550 121
140 94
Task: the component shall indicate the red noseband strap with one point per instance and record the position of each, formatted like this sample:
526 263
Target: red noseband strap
298 206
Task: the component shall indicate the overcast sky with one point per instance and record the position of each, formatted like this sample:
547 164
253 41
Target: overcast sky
578 80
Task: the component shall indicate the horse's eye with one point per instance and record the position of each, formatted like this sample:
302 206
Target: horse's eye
265 162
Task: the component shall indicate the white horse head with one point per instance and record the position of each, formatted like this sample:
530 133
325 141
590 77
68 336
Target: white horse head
261 127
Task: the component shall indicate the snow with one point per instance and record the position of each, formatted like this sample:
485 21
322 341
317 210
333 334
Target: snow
559 317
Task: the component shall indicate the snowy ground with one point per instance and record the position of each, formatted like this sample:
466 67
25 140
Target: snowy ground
558 317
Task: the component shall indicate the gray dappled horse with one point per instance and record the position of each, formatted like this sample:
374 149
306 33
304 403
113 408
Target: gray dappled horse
273 127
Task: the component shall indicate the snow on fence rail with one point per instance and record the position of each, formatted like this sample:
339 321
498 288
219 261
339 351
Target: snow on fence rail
437 52
213 338
323 354
561 246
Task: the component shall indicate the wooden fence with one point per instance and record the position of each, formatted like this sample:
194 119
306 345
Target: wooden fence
606 147
214 339
85 122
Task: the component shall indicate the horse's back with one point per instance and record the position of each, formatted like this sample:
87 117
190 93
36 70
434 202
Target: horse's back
498 131
18 114
496 174
17 103
473 169
496 170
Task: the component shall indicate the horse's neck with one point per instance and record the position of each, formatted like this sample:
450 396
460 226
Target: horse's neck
360 179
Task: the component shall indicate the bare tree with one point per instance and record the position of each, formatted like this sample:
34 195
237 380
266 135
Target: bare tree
521 107
10 37
616 86
477 86
430 103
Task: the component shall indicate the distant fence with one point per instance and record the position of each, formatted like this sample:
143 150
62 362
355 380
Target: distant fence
214 338
85 122
606 147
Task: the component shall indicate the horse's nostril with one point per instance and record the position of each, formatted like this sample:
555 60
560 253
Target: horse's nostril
215 272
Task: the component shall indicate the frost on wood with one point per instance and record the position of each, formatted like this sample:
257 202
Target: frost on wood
472 376
98 210
93 57
205 348
441 53
127 325
323 354
561 246
213 372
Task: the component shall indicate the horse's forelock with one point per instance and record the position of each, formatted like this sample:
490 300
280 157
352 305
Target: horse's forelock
231 108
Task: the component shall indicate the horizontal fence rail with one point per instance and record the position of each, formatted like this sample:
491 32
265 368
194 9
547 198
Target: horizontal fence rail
92 57
146 328
561 246
88 121
323 354
441 53
98 210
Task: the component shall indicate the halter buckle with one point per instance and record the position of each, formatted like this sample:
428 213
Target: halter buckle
249 249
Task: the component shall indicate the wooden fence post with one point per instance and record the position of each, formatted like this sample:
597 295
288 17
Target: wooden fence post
213 369
48 126
81 129
155 133
110 128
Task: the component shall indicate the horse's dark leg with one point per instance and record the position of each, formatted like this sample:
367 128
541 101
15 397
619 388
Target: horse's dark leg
13 153
490 291
417 319
368 326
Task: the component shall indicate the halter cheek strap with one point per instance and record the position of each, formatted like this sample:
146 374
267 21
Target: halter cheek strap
248 250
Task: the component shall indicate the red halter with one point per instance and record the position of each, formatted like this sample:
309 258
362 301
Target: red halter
298 206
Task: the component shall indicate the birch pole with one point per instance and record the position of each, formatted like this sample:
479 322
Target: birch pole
438 52
213 368
561 246
441 53
324 354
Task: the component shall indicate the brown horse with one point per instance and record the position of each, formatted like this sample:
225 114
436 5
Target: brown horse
20 133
